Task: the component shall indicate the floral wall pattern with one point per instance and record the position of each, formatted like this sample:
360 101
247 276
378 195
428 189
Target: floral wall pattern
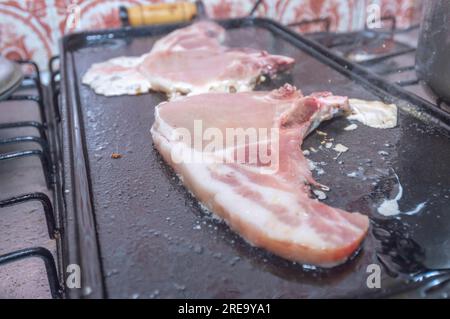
30 29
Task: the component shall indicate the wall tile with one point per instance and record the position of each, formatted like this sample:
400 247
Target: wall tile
30 29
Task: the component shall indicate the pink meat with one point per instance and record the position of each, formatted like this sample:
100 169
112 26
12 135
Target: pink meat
191 60
203 35
203 70
272 209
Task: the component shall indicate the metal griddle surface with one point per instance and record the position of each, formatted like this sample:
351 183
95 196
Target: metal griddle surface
155 241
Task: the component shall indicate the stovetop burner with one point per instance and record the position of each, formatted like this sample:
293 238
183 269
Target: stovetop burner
387 53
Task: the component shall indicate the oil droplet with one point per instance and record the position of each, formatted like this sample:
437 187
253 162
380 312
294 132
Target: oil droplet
198 249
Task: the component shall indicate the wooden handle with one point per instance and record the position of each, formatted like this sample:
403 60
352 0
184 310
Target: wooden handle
159 13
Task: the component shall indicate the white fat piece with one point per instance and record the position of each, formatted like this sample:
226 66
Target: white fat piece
117 76
390 207
375 114
340 148
179 89
351 127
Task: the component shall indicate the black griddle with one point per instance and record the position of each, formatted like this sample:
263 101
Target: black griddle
137 233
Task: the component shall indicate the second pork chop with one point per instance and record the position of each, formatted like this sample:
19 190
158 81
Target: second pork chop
187 61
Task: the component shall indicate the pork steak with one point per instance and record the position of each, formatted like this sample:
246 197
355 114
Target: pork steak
268 203
190 60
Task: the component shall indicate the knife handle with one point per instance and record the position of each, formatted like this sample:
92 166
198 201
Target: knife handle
158 13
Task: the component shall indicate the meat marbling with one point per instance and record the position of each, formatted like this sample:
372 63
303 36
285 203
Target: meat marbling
270 209
187 61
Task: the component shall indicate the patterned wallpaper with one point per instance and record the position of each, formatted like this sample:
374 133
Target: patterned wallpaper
30 29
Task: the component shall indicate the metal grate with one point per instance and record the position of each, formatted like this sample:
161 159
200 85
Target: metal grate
44 155
49 262
390 54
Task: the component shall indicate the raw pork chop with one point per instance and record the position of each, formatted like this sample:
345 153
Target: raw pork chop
272 209
187 61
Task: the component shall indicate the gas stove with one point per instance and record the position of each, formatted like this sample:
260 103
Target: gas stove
91 226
